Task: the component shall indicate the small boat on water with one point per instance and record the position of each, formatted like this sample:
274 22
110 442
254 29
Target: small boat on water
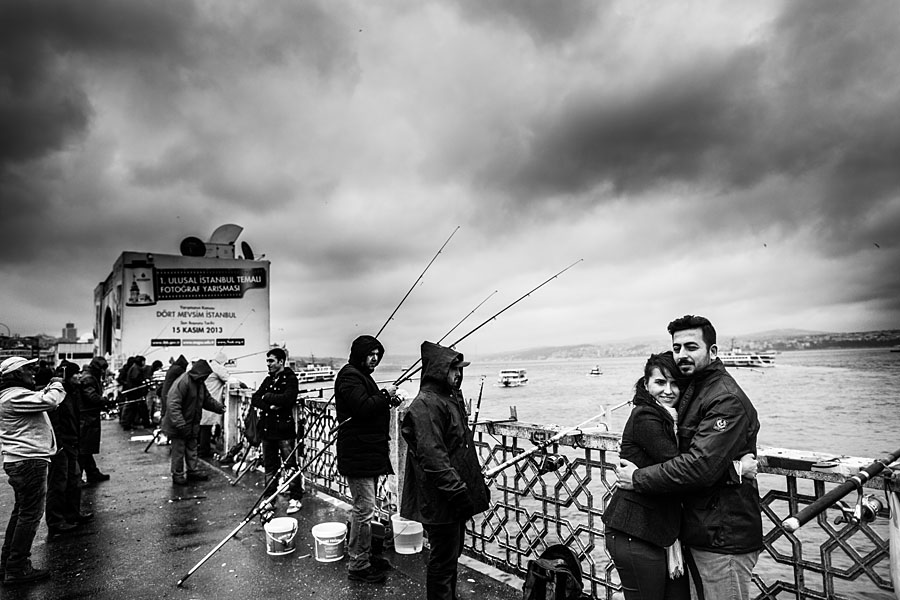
512 377
895 348
737 358
596 371
311 373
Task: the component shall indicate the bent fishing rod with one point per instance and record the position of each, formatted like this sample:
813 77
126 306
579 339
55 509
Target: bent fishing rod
856 482
258 508
410 372
493 472
416 282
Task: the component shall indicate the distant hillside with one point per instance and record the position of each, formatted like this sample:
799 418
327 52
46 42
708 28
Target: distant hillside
780 339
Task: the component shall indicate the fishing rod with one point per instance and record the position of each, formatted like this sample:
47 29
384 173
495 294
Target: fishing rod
856 482
477 405
406 375
416 282
446 335
259 508
491 473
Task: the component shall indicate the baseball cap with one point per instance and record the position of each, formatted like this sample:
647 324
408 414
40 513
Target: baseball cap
460 363
14 363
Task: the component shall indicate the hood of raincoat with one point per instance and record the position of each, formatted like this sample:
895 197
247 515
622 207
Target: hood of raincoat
200 370
436 363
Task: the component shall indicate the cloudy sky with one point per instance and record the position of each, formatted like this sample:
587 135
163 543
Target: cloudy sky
739 160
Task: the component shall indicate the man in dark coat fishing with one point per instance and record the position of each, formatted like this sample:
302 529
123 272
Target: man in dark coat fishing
89 385
443 487
363 449
181 423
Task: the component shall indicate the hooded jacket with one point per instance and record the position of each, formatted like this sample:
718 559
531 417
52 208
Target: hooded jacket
443 483
25 430
175 370
363 442
187 397
647 439
717 424
89 384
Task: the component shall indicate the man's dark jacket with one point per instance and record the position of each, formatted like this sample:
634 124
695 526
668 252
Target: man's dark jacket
278 391
443 482
175 370
716 425
647 439
90 402
363 443
66 420
187 397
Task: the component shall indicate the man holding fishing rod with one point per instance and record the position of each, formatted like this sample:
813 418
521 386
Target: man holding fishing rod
363 450
443 487
721 524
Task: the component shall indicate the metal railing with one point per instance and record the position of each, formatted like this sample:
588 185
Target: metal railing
533 508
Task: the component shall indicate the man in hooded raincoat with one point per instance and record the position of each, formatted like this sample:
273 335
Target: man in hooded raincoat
89 386
181 423
443 486
363 449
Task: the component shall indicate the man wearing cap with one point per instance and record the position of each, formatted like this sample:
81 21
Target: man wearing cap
443 486
363 451
29 444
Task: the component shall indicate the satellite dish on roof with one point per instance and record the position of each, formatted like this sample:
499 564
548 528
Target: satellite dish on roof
225 234
245 248
192 246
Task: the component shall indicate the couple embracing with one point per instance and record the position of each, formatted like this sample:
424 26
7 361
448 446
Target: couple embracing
686 484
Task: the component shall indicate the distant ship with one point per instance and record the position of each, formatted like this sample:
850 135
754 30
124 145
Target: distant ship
512 377
737 358
311 373
596 371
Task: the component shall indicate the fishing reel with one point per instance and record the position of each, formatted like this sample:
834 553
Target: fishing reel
865 511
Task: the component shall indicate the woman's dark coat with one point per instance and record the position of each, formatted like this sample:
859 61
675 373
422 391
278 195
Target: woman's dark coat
187 397
648 439
443 483
363 443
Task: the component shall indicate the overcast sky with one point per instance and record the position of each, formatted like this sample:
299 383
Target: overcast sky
739 160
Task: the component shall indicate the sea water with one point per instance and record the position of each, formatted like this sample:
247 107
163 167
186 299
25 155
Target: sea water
845 402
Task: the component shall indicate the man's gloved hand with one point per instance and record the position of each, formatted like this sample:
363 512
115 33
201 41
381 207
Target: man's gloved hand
463 505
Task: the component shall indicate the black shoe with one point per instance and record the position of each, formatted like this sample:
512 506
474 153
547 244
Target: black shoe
198 476
28 575
97 477
179 480
368 575
84 518
380 563
63 529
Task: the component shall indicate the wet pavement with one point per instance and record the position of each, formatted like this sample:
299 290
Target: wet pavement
148 534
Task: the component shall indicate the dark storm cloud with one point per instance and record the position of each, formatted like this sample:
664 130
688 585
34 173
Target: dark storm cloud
815 98
548 22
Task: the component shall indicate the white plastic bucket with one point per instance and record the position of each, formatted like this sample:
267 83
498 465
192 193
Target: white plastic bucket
407 535
280 533
330 540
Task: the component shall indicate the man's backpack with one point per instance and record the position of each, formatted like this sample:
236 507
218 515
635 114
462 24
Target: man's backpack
555 575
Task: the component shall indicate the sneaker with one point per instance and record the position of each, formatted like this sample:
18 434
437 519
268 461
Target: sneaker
27 575
293 506
368 575
380 563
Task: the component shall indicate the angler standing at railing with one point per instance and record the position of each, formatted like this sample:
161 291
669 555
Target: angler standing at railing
443 487
89 385
276 399
717 424
363 449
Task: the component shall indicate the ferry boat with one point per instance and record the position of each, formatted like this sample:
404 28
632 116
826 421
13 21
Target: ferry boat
737 358
512 377
596 371
311 373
